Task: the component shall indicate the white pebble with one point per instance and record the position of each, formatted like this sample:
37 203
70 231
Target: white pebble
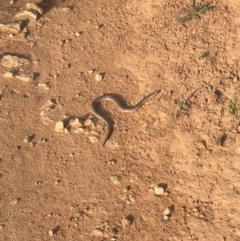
77 34
167 211
90 71
8 75
25 77
98 77
165 217
59 126
159 190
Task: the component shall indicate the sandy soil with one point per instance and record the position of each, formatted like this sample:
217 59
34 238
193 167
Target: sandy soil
67 186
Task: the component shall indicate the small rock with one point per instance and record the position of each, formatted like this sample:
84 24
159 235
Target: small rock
38 183
12 27
79 130
116 180
167 211
50 233
50 104
99 26
35 7
11 61
25 77
26 139
95 133
59 126
159 190
1 226
8 75
88 122
165 217
44 140
93 139
75 124
98 77
235 79
77 34
30 13
14 202
67 65
44 85
90 71
127 221
132 199
57 182
65 9
98 233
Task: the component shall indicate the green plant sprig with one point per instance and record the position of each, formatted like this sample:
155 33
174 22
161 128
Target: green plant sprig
195 11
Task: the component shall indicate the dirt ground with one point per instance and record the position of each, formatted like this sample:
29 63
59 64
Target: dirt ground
67 186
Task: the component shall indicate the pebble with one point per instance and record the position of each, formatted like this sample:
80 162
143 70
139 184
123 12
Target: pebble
8 75
98 77
127 221
132 199
167 211
115 179
25 77
166 214
57 182
14 202
75 124
12 27
50 233
88 122
28 14
93 139
67 65
90 71
79 130
44 85
165 217
235 79
59 126
98 233
35 7
11 61
159 190
77 34
26 139
95 133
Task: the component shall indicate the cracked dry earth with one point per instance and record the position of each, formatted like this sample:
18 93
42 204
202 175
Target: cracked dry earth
171 170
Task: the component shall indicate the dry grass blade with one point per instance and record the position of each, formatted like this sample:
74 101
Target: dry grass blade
195 11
